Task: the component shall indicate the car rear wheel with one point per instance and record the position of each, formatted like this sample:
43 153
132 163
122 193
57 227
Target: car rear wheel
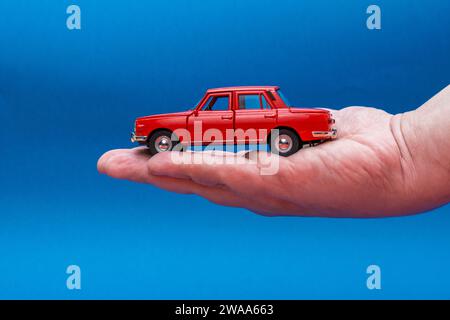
284 142
161 141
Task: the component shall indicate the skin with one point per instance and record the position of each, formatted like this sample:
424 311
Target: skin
380 165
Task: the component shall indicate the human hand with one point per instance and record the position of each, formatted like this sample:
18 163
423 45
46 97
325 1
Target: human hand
375 168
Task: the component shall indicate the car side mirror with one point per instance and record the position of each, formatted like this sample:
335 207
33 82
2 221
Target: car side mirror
195 112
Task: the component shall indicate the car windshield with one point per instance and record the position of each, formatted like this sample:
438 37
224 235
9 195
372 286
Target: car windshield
285 100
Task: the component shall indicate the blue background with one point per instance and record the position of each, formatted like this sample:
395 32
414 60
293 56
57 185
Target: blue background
68 96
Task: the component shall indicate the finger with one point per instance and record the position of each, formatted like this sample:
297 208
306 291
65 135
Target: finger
125 164
108 155
267 206
217 195
131 165
207 169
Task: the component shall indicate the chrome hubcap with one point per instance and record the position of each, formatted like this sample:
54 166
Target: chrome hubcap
283 143
163 144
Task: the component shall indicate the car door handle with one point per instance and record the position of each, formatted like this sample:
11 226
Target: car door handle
227 117
270 115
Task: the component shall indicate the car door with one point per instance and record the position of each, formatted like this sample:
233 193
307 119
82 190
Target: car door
254 117
210 122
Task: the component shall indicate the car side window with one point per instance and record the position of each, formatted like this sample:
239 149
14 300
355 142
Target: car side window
264 103
249 101
216 103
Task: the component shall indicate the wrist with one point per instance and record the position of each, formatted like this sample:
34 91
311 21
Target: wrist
424 144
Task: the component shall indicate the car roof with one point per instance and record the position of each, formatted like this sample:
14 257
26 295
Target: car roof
242 88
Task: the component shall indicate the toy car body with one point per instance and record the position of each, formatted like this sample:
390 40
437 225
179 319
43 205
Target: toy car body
237 115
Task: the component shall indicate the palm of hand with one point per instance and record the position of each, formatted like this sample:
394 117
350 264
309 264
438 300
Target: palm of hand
360 174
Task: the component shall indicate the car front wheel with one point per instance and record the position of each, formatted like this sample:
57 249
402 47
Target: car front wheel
161 141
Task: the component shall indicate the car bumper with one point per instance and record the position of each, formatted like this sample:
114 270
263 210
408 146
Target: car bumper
135 138
325 134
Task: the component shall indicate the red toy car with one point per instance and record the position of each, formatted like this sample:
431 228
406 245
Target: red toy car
237 115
